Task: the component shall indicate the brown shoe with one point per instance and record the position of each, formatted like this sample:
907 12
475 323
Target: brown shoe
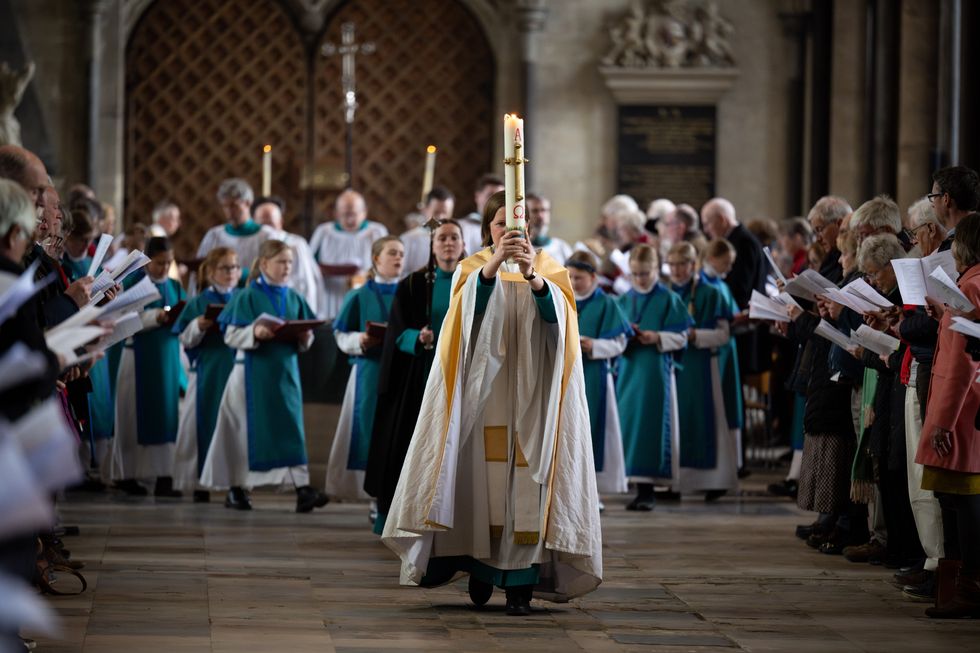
864 552
965 603
913 577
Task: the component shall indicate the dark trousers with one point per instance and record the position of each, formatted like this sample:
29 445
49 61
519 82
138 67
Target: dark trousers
922 387
961 528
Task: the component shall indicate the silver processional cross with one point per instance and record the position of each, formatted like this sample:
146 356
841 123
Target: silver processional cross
348 49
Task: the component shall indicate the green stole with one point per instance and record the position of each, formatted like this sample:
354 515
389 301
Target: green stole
273 394
158 373
213 361
643 386
599 317
731 378
695 418
371 302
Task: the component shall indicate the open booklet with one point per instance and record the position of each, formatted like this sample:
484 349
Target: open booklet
876 341
773 309
286 330
808 284
15 291
106 280
948 293
773 265
965 326
914 276
825 330
122 327
105 240
133 299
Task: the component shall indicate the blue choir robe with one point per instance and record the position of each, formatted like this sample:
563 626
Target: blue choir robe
148 392
600 318
211 364
258 436
352 439
646 391
709 460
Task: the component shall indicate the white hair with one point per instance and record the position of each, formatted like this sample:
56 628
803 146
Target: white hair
830 209
235 189
660 209
923 212
162 207
620 205
16 209
878 250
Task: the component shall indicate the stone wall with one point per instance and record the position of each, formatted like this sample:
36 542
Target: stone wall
54 36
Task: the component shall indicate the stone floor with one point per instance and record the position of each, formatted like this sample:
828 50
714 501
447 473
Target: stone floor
174 577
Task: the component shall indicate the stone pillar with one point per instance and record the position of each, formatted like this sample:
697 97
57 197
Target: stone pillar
108 108
917 99
848 164
531 16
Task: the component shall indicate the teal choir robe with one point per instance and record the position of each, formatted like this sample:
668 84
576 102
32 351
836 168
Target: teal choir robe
352 440
211 363
273 393
601 319
731 380
645 388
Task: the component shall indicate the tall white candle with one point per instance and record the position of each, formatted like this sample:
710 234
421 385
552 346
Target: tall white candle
267 170
430 172
514 171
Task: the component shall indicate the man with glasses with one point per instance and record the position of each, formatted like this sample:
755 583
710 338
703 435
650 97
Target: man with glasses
955 193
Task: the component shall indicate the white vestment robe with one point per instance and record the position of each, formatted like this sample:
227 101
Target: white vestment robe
332 245
500 466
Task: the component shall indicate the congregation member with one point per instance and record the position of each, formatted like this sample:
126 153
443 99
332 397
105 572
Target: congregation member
948 446
439 206
646 390
955 193
263 442
498 481
604 332
657 212
364 309
342 247
539 229
486 186
239 232
414 326
682 225
165 219
708 447
921 331
211 364
148 385
306 278
795 238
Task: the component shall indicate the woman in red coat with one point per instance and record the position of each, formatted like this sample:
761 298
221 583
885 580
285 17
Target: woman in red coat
950 444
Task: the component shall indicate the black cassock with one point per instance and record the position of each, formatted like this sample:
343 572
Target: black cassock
401 386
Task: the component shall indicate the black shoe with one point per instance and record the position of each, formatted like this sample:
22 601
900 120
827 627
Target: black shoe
238 499
832 547
667 495
90 484
519 601
308 498
131 487
744 473
480 592
804 532
202 496
924 591
784 489
714 495
165 488
642 503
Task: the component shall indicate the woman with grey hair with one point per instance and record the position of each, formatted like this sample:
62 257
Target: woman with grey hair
239 232
881 456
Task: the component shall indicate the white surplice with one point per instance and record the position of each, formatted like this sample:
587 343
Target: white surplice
332 245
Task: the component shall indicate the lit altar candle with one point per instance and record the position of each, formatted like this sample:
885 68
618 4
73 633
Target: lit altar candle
430 172
514 171
267 170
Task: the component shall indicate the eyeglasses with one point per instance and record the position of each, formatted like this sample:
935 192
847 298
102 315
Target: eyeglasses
228 268
932 196
913 233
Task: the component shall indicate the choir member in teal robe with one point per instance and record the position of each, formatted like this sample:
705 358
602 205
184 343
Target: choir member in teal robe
211 364
148 385
719 255
604 332
709 460
369 303
414 326
258 437
645 388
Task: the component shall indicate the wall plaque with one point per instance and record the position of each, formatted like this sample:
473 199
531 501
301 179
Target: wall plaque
667 151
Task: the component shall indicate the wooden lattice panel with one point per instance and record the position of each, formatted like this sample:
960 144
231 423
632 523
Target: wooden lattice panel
430 80
208 83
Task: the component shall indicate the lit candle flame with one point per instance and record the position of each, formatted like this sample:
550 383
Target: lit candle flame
267 148
431 149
